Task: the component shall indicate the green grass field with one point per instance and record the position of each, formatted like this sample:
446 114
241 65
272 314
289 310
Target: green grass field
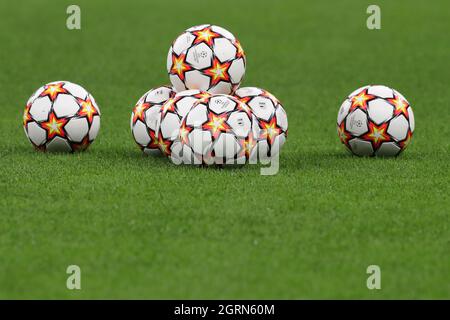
141 227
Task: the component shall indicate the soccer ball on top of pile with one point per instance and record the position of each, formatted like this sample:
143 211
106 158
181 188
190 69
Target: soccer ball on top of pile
375 121
208 58
61 116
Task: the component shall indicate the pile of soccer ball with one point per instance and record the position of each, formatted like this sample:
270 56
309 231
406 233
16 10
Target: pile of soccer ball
205 119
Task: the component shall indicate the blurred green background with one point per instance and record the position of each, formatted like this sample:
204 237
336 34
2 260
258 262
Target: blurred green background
140 227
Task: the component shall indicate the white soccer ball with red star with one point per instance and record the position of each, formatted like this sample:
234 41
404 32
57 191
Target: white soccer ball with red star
172 113
375 120
145 118
61 116
217 130
271 125
208 58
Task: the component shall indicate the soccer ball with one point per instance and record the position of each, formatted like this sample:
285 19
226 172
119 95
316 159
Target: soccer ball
271 125
172 113
217 129
61 116
145 118
375 121
208 58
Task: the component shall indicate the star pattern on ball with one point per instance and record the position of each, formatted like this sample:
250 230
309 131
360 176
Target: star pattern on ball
26 115
87 109
344 136
239 51
361 100
54 126
180 66
216 124
218 72
242 106
53 90
154 143
205 35
245 100
400 106
139 111
247 145
184 133
403 144
377 134
164 145
169 106
269 130
202 96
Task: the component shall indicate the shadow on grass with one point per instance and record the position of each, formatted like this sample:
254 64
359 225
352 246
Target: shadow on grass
115 156
337 160
139 158
307 160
